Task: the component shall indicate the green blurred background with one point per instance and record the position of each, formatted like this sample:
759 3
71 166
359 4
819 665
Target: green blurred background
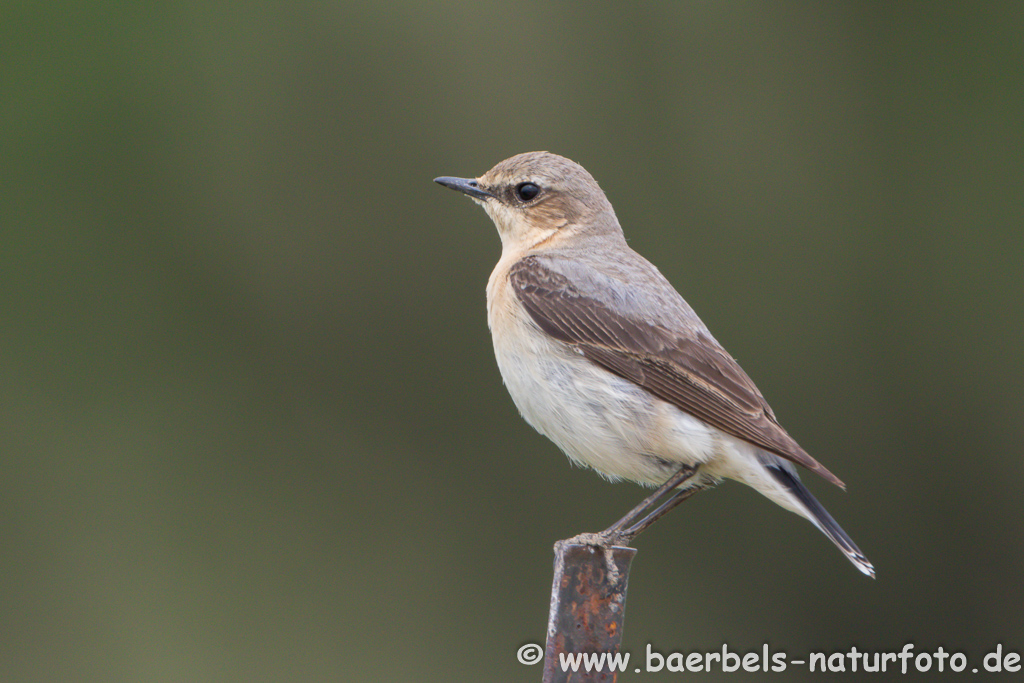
252 426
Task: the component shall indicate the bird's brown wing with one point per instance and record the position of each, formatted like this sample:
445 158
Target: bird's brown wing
687 369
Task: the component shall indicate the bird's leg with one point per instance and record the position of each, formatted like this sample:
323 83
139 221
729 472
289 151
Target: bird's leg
636 521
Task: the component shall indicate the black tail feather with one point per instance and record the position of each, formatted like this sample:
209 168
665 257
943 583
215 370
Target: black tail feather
822 518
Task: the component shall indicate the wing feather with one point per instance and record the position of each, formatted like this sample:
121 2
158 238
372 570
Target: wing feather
685 368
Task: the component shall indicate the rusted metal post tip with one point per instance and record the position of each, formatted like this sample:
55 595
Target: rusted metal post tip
588 608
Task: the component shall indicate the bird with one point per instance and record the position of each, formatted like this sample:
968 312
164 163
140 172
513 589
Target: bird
604 357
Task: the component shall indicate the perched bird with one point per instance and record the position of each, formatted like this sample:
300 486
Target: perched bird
603 356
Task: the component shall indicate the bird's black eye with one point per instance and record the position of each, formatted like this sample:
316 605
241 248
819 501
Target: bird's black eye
527 191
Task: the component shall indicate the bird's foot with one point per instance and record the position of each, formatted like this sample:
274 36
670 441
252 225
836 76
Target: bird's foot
602 539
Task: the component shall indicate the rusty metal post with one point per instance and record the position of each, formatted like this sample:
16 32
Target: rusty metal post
588 607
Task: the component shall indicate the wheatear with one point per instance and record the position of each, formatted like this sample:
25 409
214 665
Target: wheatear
602 356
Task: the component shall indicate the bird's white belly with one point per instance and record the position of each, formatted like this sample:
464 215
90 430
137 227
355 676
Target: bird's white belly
599 419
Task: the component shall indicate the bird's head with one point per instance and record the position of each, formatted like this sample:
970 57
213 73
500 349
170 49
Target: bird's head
539 197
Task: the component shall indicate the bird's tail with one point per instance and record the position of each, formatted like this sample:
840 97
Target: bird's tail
821 519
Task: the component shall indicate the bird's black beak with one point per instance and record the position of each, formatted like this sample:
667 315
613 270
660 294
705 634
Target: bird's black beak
465 185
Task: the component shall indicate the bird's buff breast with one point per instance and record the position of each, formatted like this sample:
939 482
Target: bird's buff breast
597 418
